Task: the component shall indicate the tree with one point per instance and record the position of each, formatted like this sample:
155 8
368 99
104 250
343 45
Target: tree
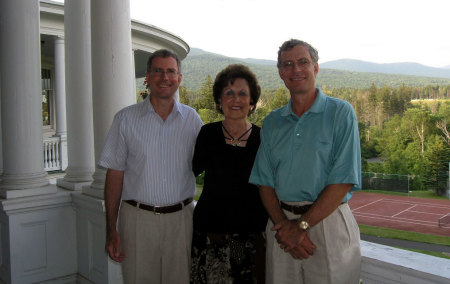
280 99
438 157
419 121
205 99
184 98
442 125
205 105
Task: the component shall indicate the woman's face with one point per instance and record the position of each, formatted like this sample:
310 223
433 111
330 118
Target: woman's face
235 99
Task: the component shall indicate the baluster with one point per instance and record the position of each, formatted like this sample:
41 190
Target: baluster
50 155
58 162
53 156
45 156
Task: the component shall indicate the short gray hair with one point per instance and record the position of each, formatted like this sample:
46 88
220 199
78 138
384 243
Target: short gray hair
293 43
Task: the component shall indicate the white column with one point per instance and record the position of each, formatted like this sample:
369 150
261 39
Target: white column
21 102
133 75
60 88
60 101
80 133
111 69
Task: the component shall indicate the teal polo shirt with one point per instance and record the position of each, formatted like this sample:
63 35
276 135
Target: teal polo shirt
300 156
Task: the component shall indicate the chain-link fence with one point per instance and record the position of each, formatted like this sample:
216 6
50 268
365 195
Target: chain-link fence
388 182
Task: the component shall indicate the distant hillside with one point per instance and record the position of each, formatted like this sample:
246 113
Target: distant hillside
406 68
199 64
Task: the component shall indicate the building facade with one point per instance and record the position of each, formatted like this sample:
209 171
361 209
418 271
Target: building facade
66 69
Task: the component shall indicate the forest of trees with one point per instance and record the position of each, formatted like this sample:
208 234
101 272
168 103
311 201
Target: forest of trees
405 127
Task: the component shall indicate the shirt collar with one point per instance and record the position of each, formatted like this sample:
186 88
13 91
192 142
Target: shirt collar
148 107
317 107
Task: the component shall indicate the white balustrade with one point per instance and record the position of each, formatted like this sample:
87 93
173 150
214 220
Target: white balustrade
52 150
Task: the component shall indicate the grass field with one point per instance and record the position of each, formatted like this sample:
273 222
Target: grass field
404 235
422 194
409 236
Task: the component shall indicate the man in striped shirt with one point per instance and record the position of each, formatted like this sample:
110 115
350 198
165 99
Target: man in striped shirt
148 156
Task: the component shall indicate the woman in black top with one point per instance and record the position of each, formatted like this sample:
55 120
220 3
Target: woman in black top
228 245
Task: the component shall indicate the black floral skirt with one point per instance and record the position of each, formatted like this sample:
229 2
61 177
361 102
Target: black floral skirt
228 258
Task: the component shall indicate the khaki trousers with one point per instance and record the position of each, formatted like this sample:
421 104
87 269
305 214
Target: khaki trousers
337 258
157 248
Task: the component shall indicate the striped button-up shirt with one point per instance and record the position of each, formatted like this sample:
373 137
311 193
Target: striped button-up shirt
155 155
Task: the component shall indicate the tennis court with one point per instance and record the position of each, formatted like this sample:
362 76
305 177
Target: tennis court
429 216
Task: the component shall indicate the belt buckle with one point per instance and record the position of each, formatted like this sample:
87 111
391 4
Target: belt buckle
154 210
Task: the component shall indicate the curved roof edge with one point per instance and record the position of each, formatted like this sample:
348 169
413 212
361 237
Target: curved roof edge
144 36
142 32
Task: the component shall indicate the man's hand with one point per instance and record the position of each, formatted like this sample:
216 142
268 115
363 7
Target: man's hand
293 239
113 192
304 250
113 247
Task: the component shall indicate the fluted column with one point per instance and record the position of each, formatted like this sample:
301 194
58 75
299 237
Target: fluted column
80 133
111 69
21 104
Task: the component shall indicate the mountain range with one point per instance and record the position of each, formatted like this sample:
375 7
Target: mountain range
405 68
344 73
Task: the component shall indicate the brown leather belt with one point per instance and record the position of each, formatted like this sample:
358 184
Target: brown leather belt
160 209
296 209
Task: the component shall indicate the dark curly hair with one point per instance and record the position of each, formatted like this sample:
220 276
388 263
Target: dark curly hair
229 75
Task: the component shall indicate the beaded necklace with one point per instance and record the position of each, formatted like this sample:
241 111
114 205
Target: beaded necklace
232 139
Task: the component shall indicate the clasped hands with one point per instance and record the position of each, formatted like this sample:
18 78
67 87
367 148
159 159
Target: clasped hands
293 240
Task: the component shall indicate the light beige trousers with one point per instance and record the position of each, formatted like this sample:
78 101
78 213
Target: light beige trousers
157 247
336 260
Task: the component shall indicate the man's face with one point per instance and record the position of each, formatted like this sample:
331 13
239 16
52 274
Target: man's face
298 70
163 78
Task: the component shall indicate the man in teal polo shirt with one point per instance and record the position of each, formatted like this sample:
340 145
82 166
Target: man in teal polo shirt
307 166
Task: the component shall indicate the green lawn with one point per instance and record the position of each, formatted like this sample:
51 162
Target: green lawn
409 236
404 235
422 194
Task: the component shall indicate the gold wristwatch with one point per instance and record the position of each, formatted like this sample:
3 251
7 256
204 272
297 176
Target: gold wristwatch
303 225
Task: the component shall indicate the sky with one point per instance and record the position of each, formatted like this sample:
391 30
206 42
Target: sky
380 31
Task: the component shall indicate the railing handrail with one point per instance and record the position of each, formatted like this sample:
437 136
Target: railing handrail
384 264
51 150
